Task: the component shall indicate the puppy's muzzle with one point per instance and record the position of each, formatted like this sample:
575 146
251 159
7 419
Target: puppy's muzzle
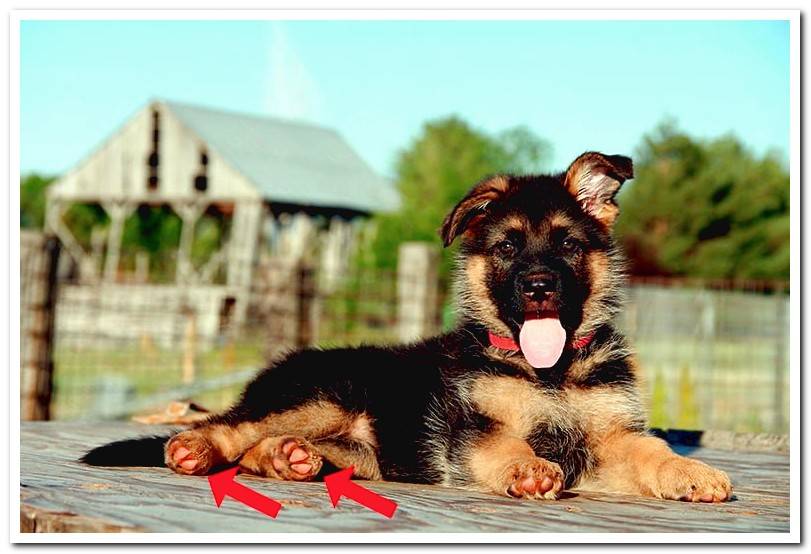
539 286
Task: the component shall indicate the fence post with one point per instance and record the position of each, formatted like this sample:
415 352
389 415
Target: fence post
38 299
291 300
782 332
189 347
707 332
306 330
417 291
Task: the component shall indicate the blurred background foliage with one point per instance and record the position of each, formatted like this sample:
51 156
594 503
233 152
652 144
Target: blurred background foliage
433 173
705 208
696 208
32 200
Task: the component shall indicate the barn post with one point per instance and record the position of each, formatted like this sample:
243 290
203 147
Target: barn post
118 212
417 290
97 240
189 213
336 253
245 236
141 268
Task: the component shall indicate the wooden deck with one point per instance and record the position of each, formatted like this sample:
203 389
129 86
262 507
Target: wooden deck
60 495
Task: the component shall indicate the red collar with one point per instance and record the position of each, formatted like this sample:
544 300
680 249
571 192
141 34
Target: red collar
506 343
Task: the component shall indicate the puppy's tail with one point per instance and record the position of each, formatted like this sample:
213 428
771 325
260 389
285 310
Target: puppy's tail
140 452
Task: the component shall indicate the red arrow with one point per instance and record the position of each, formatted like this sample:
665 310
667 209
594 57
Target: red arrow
340 484
223 484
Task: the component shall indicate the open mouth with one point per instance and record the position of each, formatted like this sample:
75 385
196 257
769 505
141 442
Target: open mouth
542 337
546 306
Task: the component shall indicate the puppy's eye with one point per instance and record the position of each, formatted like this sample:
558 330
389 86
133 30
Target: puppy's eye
571 246
506 249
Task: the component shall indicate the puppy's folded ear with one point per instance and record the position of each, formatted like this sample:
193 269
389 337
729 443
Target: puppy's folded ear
594 179
472 208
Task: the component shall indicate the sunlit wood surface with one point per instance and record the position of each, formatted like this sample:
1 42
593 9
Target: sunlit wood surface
60 495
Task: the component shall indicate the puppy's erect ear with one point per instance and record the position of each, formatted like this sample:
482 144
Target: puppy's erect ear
471 208
594 179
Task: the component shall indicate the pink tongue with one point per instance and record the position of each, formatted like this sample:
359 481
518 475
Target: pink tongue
542 341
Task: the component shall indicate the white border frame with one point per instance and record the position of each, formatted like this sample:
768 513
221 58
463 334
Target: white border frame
16 17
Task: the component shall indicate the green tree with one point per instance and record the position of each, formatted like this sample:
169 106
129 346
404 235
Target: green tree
32 200
705 209
436 170
79 218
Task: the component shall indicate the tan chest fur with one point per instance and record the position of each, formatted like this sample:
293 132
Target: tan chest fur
520 405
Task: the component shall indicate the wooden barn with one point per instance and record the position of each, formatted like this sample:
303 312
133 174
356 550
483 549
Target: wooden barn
281 185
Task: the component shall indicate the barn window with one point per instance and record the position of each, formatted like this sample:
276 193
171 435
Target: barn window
201 183
153 160
201 179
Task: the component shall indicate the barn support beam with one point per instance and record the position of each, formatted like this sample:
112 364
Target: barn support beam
297 238
208 271
190 213
118 213
242 245
98 239
336 252
245 230
55 224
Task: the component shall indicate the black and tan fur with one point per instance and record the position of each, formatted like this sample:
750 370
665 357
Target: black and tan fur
454 410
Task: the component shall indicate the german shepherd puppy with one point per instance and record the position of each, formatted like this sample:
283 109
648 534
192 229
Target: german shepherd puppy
534 392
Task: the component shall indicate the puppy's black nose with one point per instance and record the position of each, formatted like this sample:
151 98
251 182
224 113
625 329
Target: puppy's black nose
539 285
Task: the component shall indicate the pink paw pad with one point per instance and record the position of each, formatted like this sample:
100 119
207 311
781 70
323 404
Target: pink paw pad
296 461
181 456
536 478
296 458
530 486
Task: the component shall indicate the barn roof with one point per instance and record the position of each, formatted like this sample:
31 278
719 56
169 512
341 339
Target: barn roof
290 162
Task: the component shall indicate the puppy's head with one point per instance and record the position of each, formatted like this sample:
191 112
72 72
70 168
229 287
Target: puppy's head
537 260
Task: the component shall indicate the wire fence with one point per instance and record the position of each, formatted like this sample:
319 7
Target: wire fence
123 349
712 355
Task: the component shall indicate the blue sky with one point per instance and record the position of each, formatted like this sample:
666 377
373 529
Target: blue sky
581 85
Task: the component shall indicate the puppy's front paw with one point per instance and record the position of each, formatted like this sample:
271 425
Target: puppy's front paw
693 481
189 453
532 478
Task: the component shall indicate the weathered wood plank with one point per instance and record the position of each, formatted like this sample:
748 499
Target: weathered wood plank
58 494
35 520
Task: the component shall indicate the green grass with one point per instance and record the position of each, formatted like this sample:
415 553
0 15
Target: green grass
147 369
733 386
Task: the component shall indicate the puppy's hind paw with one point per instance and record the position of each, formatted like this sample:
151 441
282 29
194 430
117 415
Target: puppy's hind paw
189 453
288 458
